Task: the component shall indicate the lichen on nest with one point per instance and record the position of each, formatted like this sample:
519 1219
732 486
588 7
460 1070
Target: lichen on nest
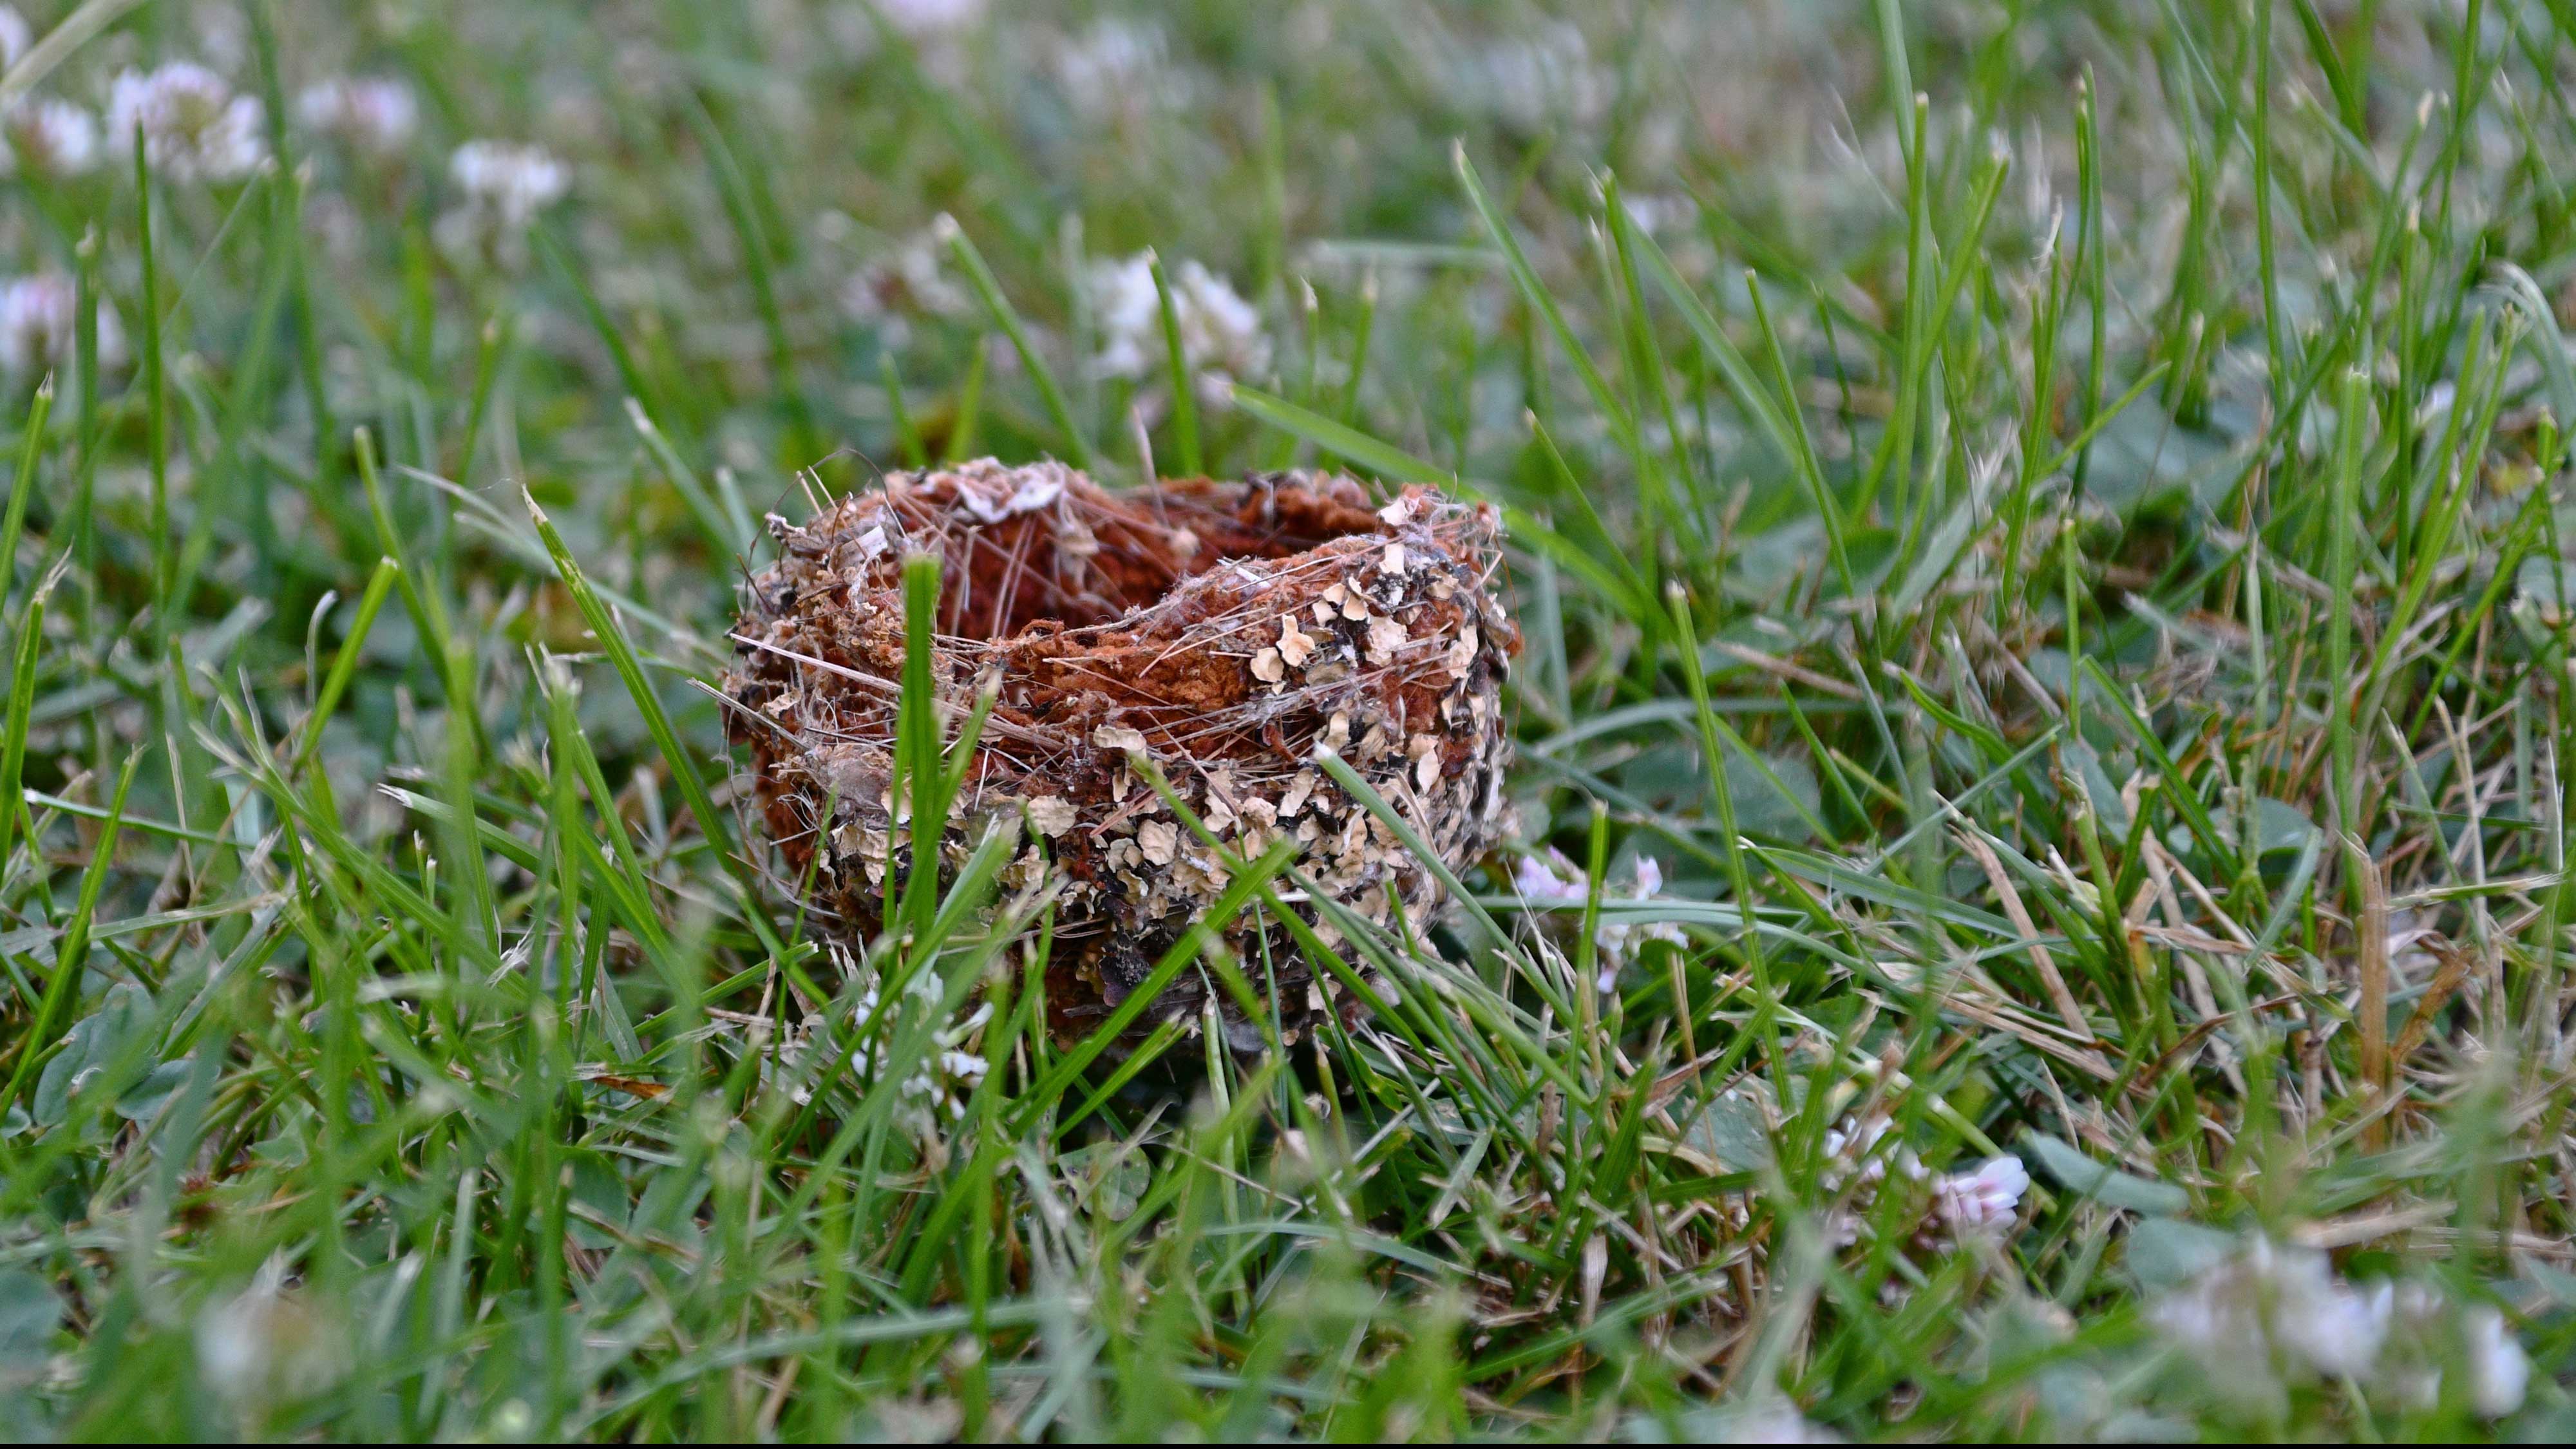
1226 631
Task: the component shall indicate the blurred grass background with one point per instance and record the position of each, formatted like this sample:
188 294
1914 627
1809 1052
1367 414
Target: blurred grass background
2088 474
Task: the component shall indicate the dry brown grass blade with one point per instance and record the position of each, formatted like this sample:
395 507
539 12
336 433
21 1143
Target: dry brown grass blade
2019 915
2447 978
2091 1063
2371 957
1797 673
2195 973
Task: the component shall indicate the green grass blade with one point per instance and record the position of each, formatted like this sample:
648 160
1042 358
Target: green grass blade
1077 442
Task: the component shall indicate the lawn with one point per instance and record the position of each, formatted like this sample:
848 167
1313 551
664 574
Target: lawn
2031 899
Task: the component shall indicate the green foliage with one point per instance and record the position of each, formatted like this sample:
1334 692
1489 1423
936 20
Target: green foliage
2039 539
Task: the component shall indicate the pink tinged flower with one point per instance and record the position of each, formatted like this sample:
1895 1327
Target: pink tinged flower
50 138
193 127
1650 877
1548 881
374 115
1984 1201
1555 881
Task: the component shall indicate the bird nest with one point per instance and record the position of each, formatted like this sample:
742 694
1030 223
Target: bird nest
1227 632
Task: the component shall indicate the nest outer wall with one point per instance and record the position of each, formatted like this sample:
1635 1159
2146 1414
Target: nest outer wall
1226 630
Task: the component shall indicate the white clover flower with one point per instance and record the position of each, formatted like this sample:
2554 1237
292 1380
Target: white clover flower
2499 1373
949 1071
886 294
36 325
1221 337
1983 1202
1850 1144
339 226
51 138
2273 1317
223 36
505 185
1654 214
1118 68
1980 1203
15 36
1854 1162
1533 82
1128 313
374 115
937 30
919 18
268 1344
1100 70
194 128
2423 1331
512 182
1770 1419
1647 885
2340 1329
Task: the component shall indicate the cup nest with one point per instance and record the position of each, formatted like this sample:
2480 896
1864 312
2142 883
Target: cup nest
1229 632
